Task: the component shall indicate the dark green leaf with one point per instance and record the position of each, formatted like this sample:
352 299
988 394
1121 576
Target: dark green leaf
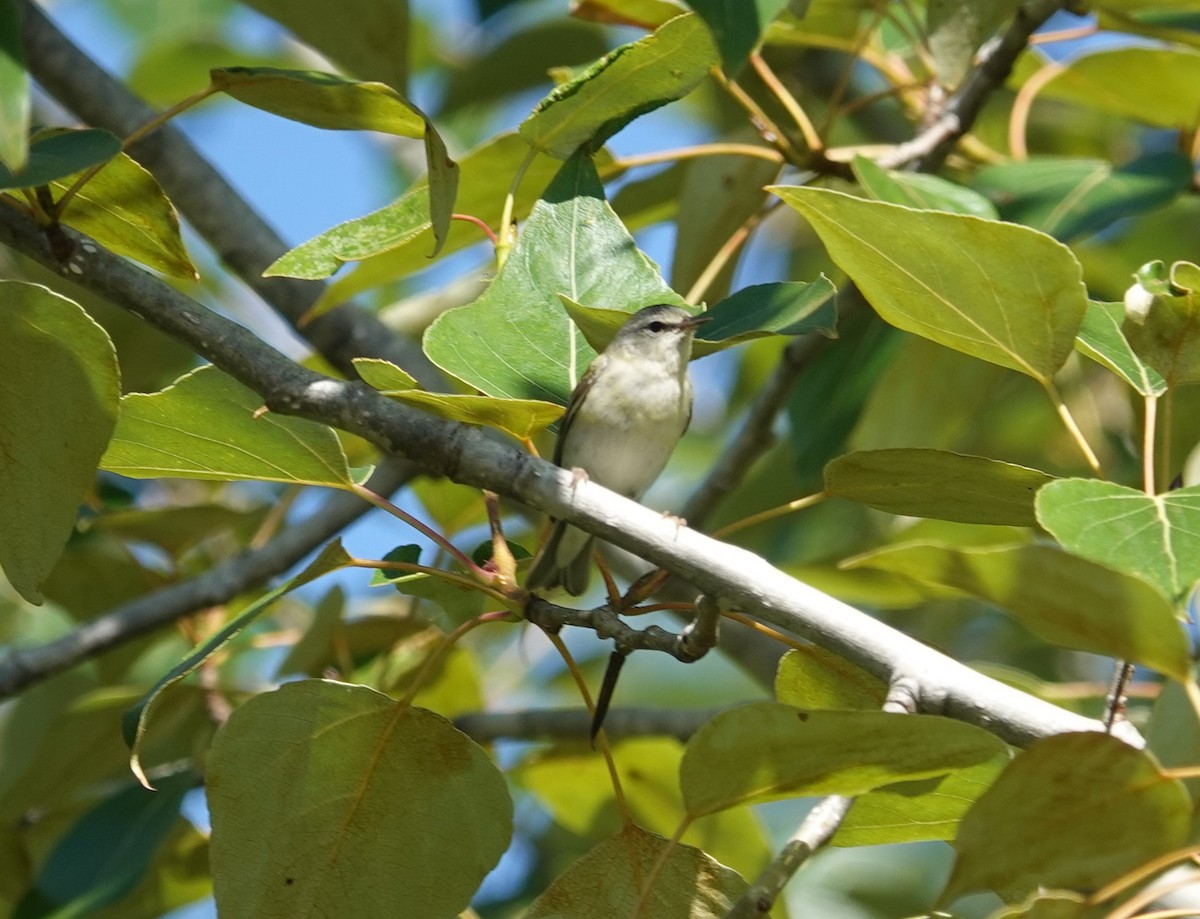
1074 811
996 291
1068 198
957 28
56 155
937 483
1167 338
633 79
781 308
58 407
737 26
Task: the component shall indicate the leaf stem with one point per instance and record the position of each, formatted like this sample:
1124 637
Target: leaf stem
1149 435
605 748
790 103
157 121
414 568
1072 427
770 514
770 131
471 218
699 150
439 652
383 503
726 252
506 215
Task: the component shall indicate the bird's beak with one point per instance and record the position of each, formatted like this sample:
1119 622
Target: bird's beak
692 321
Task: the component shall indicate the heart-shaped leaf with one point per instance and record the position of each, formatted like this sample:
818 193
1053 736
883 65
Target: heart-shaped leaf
996 291
1156 537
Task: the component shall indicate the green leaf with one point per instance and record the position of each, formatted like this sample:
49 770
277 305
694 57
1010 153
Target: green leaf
318 785
322 100
58 406
609 881
1100 338
737 26
369 38
60 154
1168 337
1053 904
1156 537
135 721
765 751
104 854
919 190
458 601
203 426
780 308
1066 600
1155 86
1073 811
14 91
1068 198
644 14
939 484
813 678
123 208
522 418
632 80
916 811
516 341
957 28
997 291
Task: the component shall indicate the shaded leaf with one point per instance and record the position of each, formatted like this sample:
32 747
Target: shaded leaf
104 854
608 881
1100 338
369 38
1155 86
996 291
14 91
916 811
317 785
203 426
957 28
813 678
322 100
631 80
765 751
516 341
1067 600
58 407
737 26
522 418
1156 537
919 190
939 484
1168 337
645 14
56 155
123 208
1073 811
135 721
1068 197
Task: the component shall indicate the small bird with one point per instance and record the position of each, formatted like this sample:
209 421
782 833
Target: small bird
622 423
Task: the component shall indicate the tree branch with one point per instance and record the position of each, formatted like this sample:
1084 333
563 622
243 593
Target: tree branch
928 150
24 666
739 578
236 232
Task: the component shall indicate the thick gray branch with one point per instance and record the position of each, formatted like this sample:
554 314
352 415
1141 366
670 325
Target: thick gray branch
737 578
24 666
236 232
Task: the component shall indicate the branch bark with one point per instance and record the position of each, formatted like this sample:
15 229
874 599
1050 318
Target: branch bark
740 579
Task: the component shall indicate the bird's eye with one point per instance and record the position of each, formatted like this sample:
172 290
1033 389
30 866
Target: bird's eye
656 326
